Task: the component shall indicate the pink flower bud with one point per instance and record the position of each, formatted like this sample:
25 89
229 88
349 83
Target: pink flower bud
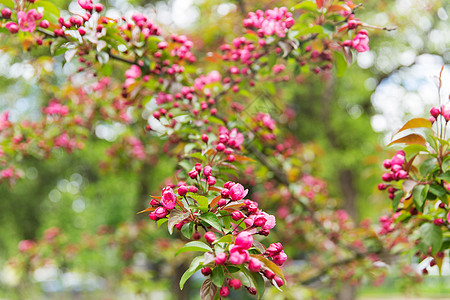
396 168
269 274
6 13
220 147
438 222
244 240
387 163
446 114
225 193
198 167
254 265
387 177
81 30
352 24
211 180
280 258
435 111
193 189
154 202
207 171
402 174
161 212
210 237
398 159
237 215
206 271
224 292
196 236
252 290
152 216
168 198
235 283
222 202
182 190
382 186
274 249
231 158
237 192
221 258
193 174
228 184
99 7
12 27
205 138
278 281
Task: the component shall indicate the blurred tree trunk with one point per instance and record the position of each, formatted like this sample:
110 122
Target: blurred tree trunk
345 175
175 282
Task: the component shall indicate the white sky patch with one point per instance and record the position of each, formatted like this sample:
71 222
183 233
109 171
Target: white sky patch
409 92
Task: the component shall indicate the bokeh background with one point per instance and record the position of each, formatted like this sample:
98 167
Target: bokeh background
105 251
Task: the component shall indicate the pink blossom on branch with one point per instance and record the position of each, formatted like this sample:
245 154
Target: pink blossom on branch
361 41
169 198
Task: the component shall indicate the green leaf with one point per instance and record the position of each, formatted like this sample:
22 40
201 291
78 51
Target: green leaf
396 200
51 11
427 166
306 5
201 200
438 190
431 236
445 176
187 230
212 220
198 156
161 221
225 239
329 28
218 276
255 279
419 196
8 3
175 217
196 264
412 150
341 64
185 165
56 45
194 246
272 60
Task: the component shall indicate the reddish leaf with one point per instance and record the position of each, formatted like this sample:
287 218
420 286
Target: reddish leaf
410 139
208 290
216 189
243 158
416 123
319 4
210 152
174 218
156 197
213 57
215 201
147 210
336 7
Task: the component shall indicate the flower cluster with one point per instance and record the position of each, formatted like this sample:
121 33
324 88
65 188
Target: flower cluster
396 166
360 42
56 108
272 21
